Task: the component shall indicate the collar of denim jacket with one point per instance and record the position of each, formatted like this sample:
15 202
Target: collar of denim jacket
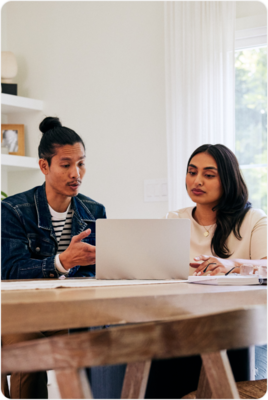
81 212
42 209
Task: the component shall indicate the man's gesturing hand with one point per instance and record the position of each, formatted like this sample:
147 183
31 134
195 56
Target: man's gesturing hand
78 252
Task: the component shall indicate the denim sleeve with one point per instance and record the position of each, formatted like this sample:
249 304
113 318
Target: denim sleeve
16 257
104 213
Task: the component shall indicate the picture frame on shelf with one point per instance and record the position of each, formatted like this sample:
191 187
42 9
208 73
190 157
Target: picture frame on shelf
12 138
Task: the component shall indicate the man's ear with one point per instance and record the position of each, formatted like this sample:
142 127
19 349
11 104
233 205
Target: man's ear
43 164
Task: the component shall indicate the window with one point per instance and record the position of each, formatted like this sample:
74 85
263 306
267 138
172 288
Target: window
251 117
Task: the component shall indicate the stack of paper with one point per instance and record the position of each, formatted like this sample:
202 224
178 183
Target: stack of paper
77 282
235 280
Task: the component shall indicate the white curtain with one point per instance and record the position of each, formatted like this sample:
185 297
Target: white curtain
199 84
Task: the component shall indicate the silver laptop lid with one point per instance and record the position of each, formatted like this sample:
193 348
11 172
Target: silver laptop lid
142 248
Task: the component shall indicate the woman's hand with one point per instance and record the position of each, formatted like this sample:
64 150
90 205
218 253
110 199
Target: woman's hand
213 265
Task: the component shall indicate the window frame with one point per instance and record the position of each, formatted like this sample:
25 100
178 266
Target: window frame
247 39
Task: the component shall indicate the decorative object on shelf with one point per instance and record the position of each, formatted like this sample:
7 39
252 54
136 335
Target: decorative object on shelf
12 137
9 69
9 88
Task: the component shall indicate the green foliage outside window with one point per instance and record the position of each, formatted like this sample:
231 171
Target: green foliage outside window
251 121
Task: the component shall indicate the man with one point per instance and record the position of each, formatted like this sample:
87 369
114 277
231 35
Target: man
49 230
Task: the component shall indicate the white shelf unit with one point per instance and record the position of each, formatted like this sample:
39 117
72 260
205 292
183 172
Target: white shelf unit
11 163
11 104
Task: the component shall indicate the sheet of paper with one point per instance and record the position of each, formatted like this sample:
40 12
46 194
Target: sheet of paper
222 280
77 282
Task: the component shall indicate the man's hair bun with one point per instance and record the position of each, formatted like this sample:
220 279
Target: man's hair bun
49 123
54 136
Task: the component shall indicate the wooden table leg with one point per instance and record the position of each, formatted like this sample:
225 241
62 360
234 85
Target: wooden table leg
219 375
73 384
135 381
4 385
203 389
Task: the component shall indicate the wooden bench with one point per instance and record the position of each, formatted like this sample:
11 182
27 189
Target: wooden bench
246 390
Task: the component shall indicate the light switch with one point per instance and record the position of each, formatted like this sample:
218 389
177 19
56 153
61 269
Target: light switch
149 190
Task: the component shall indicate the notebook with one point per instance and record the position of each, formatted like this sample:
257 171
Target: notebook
142 248
222 280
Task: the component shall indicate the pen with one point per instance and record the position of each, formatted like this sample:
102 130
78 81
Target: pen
205 270
227 273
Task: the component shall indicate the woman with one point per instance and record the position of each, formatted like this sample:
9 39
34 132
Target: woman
226 231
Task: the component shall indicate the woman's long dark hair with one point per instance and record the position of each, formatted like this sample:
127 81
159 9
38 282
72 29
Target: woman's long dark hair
234 204
55 135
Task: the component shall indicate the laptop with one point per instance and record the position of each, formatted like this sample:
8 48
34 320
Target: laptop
142 248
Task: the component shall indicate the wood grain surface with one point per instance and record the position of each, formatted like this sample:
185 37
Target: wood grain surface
135 380
73 384
219 375
203 390
52 309
140 342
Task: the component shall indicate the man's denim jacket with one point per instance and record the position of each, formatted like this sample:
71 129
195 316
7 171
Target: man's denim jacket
29 244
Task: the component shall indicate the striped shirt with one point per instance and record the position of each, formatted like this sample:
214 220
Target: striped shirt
62 225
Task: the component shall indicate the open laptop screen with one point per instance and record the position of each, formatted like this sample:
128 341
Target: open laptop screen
142 248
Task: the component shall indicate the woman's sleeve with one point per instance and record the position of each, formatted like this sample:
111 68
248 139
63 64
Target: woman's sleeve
258 246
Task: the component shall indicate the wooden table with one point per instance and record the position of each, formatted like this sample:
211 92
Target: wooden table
52 309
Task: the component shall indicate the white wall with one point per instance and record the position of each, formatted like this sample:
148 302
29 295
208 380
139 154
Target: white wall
99 67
